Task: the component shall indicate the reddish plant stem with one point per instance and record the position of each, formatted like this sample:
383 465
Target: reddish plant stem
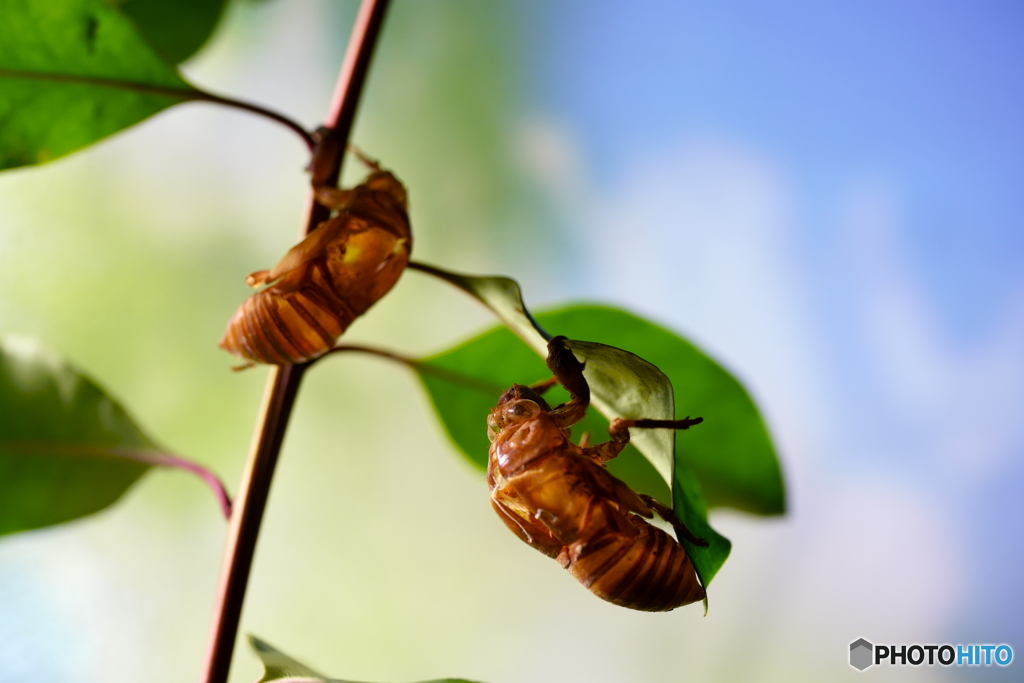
283 382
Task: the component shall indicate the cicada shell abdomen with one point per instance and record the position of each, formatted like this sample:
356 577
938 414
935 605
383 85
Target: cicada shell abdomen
329 279
649 571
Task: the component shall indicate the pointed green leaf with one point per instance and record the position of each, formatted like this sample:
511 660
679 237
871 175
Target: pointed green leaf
281 668
731 454
66 448
73 72
735 460
176 28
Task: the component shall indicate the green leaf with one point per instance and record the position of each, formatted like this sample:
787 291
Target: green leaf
66 448
176 28
278 666
73 72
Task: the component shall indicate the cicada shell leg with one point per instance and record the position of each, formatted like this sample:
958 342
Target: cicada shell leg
260 277
569 372
367 161
669 515
332 197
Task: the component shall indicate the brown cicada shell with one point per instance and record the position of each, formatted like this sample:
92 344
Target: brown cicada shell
329 279
559 498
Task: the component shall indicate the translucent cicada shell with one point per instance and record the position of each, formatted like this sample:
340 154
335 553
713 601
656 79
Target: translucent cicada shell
329 279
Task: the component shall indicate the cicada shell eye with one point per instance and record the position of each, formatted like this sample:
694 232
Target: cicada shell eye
519 411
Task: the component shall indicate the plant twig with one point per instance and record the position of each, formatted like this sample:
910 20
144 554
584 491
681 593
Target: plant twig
283 382
203 96
422 367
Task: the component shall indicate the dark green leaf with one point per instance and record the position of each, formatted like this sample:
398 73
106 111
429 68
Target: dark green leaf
66 448
279 667
176 28
71 73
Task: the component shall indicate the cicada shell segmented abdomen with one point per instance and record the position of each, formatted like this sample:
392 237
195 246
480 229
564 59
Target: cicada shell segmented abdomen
329 279
649 572
290 327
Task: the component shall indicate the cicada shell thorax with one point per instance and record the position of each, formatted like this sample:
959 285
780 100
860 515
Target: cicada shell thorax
328 280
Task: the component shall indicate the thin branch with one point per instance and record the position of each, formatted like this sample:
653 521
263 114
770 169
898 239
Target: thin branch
171 460
283 382
190 94
203 96
373 351
428 269
421 367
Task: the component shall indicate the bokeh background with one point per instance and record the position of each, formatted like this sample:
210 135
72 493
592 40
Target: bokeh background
825 196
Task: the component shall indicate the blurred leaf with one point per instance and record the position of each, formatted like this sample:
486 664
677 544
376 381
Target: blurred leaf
176 28
66 448
278 666
71 73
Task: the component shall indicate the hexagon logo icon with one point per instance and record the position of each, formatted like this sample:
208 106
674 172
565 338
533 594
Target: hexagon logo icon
860 654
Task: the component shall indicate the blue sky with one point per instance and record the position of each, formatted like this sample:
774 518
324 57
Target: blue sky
927 94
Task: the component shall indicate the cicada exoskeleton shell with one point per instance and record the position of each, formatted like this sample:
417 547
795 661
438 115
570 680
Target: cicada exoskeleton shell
329 279
558 497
